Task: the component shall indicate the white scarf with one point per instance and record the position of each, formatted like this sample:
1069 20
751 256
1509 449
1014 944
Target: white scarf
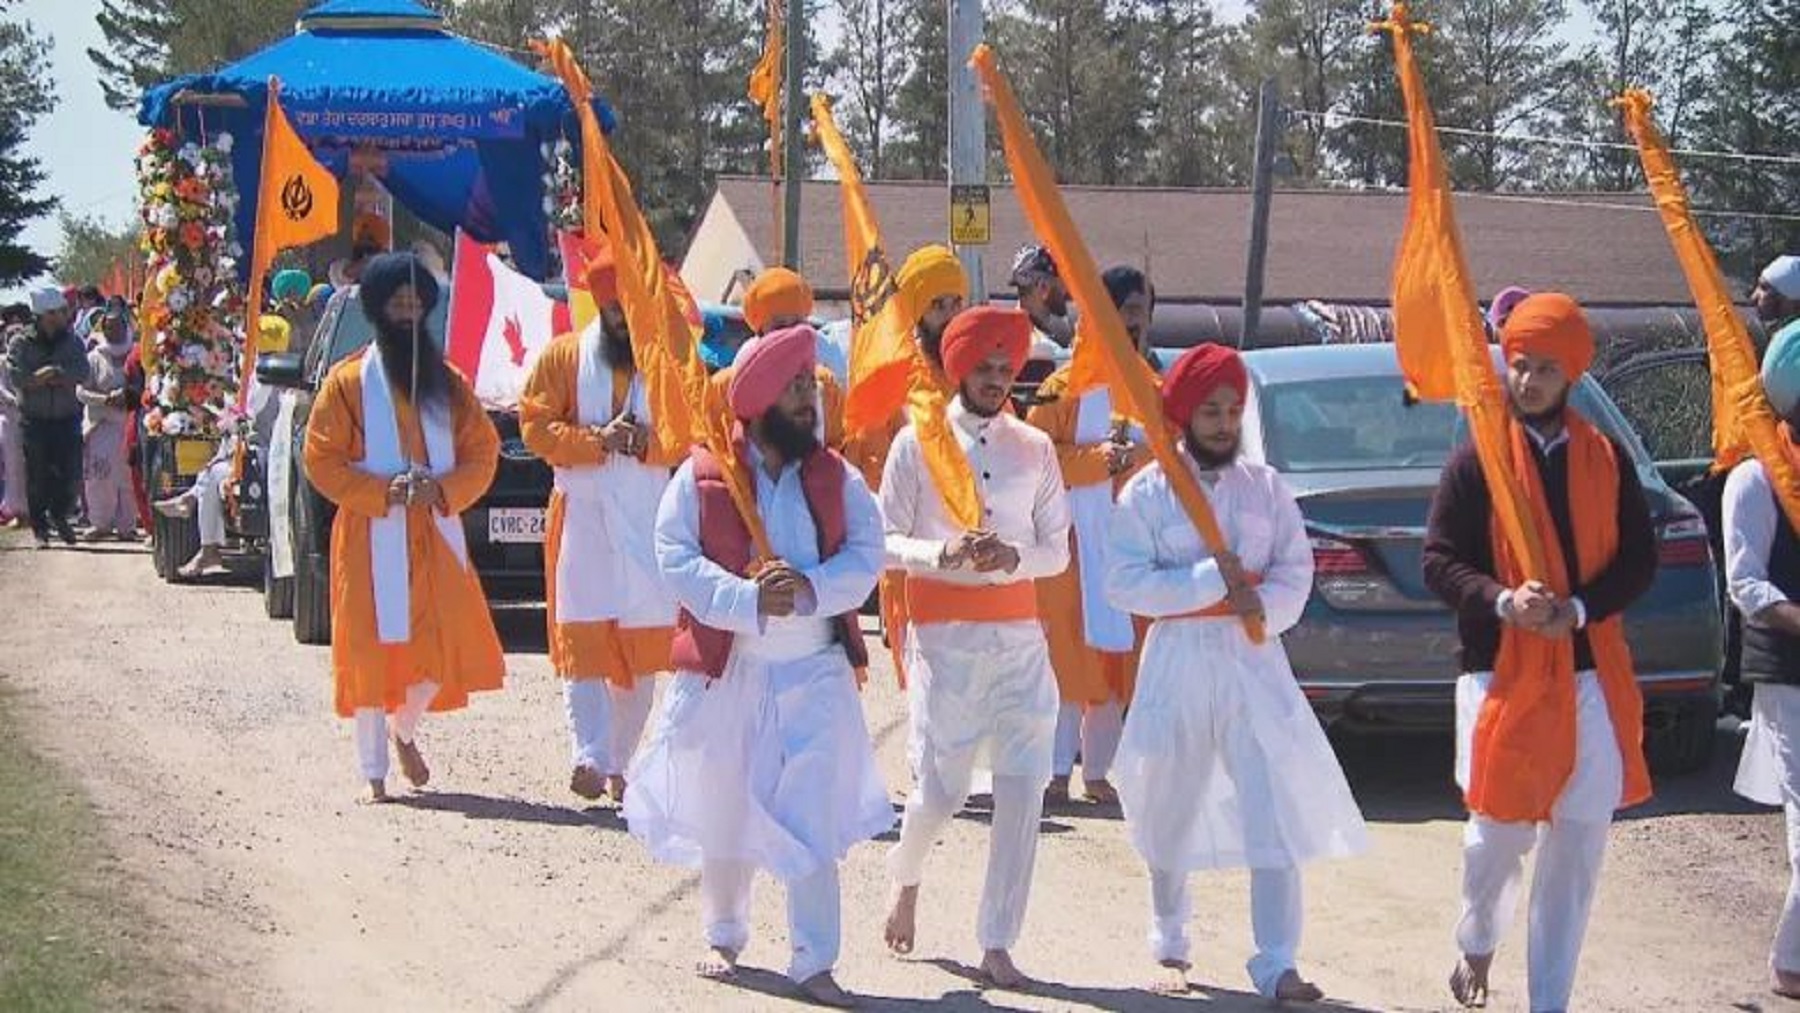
606 565
1090 508
390 564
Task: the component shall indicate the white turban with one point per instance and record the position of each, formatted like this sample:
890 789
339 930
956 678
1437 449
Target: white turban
48 299
1783 275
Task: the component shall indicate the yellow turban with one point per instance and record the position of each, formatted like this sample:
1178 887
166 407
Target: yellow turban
776 293
272 334
931 273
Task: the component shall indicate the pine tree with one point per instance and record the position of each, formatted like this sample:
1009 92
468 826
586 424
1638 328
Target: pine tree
27 93
867 67
1312 46
1503 70
921 111
150 41
1201 122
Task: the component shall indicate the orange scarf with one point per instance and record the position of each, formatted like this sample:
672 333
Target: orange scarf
1525 736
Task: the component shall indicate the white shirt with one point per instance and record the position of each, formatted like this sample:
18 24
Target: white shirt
723 600
1751 519
1022 500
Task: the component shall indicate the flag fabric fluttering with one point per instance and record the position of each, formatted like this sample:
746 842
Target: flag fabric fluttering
1111 357
296 204
888 371
499 322
766 80
1743 423
663 341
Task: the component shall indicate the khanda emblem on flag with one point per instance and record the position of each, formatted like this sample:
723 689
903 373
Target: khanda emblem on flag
296 198
872 287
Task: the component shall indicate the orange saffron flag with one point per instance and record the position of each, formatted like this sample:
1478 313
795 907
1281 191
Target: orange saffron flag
887 369
1742 420
296 204
1111 353
662 340
766 81
1438 331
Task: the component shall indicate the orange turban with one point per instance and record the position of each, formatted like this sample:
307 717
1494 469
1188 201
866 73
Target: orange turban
1550 325
766 366
978 334
931 273
777 292
1199 372
603 276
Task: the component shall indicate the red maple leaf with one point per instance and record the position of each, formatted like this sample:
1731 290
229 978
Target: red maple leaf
515 340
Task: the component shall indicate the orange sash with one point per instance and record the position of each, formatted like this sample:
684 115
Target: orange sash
931 602
1525 735
1220 610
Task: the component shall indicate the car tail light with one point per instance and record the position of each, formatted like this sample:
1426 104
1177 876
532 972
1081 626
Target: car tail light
1681 541
1332 557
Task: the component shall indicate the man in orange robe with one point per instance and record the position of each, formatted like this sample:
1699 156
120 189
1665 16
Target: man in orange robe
399 442
1093 645
1549 718
931 289
780 298
584 411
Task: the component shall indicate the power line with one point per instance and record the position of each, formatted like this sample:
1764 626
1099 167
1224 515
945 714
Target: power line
1336 120
1610 206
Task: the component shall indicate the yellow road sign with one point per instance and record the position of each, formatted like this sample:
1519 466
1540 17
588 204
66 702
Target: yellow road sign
971 221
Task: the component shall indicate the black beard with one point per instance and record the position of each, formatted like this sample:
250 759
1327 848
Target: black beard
1209 460
932 344
976 410
397 345
791 440
616 349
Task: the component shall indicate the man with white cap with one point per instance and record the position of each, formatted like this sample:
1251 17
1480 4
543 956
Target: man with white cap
1777 293
46 364
1762 573
761 758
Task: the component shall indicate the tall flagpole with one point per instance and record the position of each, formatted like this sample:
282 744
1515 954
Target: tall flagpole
792 138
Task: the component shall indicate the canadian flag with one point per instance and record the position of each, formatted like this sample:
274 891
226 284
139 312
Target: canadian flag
500 321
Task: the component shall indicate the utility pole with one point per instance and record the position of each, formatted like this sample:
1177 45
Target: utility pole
794 160
968 124
1268 131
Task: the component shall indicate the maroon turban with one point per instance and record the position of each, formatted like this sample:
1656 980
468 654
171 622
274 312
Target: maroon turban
1200 371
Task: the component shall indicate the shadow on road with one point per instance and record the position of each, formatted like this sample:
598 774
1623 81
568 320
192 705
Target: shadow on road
1410 779
482 807
521 628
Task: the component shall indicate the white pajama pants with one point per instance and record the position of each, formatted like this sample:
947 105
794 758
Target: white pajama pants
1769 773
606 721
209 495
111 505
12 465
1093 730
815 921
1012 842
373 727
1276 917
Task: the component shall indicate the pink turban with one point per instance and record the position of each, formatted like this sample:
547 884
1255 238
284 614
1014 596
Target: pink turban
763 371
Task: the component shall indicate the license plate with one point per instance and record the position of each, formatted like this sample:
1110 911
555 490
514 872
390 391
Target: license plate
515 525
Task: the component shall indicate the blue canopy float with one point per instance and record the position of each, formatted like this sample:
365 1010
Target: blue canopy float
459 126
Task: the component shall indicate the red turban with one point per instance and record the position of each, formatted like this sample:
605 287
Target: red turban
777 292
1550 325
1201 370
976 335
764 370
603 276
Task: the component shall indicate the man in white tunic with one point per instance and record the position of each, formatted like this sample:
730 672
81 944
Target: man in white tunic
1223 764
760 758
1762 572
979 666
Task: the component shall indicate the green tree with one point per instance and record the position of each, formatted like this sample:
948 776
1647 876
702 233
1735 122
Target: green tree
1663 45
1312 47
90 248
921 110
867 67
27 93
1504 70
150 41
1201 116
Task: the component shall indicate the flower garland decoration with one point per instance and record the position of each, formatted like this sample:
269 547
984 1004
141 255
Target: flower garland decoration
562 185
193 306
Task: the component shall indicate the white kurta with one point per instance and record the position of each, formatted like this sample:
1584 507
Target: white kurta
1223 763
771 765
975 685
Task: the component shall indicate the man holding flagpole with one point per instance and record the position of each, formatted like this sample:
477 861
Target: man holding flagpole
584 412
980 679
1093 645
399 442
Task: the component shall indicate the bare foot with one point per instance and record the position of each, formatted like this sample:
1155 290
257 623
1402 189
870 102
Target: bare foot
208 558
1469 982
1786 984
717 963
998 970
588 783
615 787
1100 791
902 920
412 764
824 990
1057 794
1171 978
1293 988
375 793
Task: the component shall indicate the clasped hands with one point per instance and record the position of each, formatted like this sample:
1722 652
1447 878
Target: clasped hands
624 435
417 488
1533 606
981 550
780 589
1119 451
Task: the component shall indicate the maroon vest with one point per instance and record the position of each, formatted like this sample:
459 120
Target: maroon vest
726 541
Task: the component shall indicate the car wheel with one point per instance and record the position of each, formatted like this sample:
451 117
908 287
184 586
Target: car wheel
278 592
173 541
1681 741
312 600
